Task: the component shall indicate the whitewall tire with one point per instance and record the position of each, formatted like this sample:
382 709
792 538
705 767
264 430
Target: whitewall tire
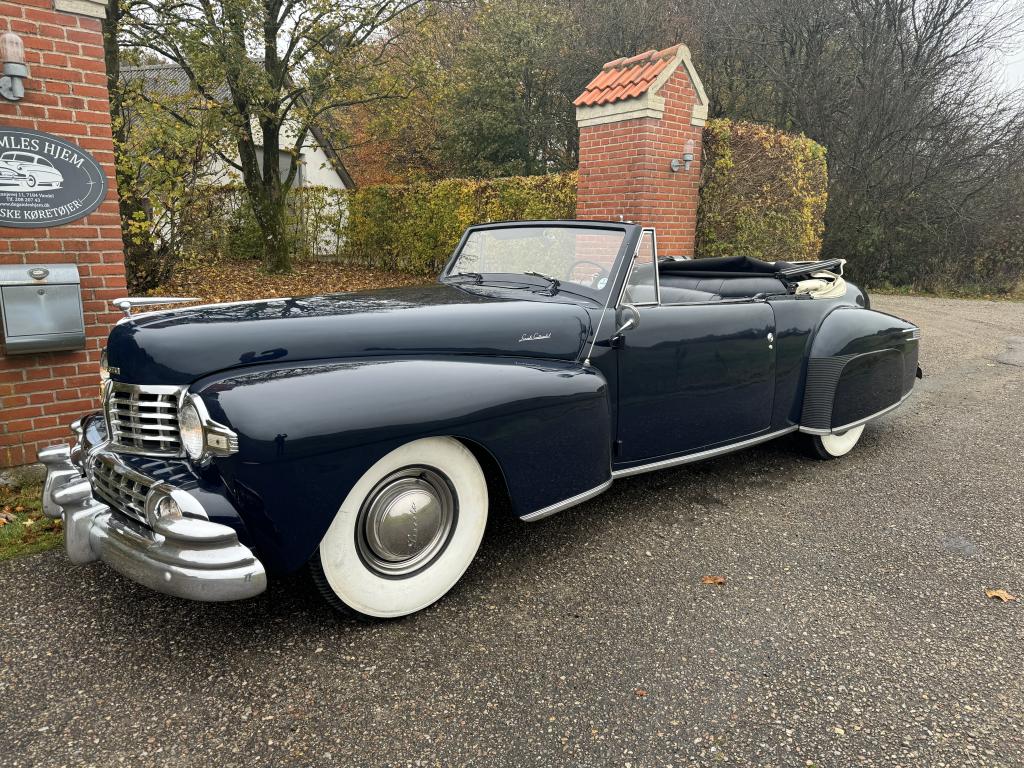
406 532
834 446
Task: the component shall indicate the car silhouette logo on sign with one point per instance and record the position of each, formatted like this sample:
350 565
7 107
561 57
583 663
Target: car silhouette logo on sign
46 181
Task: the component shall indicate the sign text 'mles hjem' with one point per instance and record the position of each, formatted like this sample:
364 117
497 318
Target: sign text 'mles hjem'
49 148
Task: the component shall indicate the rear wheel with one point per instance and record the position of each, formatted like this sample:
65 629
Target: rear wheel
829 447
406 532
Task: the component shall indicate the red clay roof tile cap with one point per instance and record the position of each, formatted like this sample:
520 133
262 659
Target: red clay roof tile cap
604 77
635 90
625 78
643 73
615 78
645 56
665 53
586 98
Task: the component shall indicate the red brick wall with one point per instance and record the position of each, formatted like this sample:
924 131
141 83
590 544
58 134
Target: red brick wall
625 170
66 95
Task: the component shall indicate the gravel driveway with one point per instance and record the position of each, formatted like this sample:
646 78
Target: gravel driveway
852 629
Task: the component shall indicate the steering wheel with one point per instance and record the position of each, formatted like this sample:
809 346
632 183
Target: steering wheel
590 280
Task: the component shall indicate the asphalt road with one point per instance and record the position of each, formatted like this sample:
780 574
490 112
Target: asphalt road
852 629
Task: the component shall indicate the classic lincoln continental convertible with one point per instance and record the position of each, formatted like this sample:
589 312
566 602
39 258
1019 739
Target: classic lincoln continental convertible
365 436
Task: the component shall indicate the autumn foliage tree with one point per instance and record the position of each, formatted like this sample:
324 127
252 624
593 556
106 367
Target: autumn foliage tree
163 169
268 71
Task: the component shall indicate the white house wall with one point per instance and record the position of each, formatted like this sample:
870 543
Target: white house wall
317 170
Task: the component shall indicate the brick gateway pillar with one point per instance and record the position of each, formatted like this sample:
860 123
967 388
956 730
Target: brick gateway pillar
636 117
65 96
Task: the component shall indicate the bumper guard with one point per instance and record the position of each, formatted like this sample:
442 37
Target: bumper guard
188 557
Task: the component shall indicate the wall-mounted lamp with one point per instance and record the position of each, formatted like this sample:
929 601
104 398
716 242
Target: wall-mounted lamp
12 55
676 165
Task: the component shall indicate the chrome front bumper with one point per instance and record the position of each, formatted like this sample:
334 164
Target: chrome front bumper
189 557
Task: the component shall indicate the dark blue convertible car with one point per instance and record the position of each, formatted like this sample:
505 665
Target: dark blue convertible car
366 435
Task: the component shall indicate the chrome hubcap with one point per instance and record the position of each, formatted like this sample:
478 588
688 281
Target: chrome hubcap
405 521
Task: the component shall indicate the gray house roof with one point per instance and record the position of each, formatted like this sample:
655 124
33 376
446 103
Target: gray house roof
171 80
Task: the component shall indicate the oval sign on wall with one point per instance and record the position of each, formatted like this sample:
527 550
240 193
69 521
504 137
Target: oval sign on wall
46 181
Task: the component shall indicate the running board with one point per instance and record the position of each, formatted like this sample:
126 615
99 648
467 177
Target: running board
579 498
701 455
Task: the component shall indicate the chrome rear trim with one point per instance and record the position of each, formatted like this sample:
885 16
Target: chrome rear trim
852 424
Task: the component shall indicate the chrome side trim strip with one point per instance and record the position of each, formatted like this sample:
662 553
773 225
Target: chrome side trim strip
700 456
852 424
572 501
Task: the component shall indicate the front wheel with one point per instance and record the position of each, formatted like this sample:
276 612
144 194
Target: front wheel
833 446
406 532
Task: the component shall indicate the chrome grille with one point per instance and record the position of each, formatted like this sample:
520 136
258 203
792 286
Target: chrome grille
143 419
120 487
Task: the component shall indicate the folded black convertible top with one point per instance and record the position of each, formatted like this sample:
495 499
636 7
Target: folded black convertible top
730 264
726 266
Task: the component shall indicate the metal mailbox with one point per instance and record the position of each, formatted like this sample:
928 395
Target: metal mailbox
41 306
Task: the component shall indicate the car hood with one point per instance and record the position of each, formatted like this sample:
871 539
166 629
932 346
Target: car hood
181 346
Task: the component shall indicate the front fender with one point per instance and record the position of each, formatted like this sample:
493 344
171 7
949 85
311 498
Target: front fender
307 433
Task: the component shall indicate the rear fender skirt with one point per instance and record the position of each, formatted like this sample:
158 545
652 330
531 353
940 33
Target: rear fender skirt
863 363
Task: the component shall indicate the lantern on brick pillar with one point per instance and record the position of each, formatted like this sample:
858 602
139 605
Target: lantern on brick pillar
12 57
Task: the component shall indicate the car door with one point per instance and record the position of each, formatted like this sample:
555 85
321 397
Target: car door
691 376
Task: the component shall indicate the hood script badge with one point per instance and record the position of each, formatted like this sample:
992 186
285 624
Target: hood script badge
534 337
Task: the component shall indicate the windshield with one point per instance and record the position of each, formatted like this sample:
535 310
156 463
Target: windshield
568 258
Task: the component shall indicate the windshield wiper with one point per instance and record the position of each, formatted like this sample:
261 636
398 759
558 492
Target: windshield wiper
475 276
554 283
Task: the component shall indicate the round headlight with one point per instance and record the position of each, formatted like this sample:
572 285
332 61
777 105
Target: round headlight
190 425
104 370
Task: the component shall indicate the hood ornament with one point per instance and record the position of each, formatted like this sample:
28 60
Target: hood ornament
128 303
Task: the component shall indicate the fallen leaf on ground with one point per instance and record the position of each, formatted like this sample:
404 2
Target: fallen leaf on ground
716 580
640 693
222 279
1000 594
28 522
6 517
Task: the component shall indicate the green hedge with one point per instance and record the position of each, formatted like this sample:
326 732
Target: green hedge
414 227
763 193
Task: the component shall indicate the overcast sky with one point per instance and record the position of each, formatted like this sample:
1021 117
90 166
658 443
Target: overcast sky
1010 62
1015 69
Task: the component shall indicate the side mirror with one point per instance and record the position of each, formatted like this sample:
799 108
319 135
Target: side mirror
630 319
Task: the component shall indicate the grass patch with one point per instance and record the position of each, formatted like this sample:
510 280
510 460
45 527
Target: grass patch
24 529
